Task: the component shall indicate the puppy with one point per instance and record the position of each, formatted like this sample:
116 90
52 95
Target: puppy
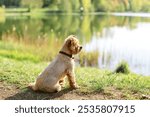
52 78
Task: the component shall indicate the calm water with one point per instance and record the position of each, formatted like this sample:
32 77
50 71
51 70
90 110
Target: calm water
114 38
121 43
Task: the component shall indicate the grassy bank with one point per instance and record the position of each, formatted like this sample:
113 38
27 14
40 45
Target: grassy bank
27 11
20 65
91 80
31 52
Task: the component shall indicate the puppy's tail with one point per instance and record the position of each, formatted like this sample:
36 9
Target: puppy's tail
33 86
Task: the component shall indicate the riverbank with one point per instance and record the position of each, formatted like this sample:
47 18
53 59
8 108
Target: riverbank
94 83
27 11
44 11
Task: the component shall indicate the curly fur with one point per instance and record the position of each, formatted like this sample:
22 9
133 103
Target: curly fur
52 78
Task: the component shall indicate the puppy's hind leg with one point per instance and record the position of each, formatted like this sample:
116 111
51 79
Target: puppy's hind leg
57 88
33 86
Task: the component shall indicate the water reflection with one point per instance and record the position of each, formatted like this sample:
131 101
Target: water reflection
107 39
120 43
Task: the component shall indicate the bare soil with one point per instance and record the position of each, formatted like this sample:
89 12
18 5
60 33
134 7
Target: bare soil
11 92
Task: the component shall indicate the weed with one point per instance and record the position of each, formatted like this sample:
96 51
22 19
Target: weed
122 67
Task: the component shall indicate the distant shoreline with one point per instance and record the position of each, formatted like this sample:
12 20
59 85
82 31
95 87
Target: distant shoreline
26 11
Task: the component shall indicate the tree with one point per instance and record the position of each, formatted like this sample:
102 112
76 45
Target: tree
32 3
46 3
86 4
10 3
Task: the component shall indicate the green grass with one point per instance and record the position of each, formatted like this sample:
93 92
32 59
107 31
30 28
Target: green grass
21 64
14 51
19 73
90 80
23 52
93 79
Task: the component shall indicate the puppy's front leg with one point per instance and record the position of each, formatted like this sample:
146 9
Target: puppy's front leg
72 80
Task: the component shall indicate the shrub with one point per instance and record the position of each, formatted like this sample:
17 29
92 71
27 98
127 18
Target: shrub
122 67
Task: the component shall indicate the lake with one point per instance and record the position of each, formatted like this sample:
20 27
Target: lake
107 39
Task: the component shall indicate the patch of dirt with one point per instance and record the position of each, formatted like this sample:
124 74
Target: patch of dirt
7 90
10 92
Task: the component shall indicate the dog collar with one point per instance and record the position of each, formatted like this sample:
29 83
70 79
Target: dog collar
64 53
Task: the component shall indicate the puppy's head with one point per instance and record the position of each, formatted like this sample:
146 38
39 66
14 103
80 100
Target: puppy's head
73 45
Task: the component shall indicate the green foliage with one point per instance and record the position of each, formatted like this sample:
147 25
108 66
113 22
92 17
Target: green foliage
75 5
122 68
10 3
31 3
86 5
65 6
135 5
46 3
82 5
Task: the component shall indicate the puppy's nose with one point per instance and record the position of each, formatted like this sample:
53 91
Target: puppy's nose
80 47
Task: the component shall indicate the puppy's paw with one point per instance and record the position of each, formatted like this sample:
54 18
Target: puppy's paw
75 87
32 86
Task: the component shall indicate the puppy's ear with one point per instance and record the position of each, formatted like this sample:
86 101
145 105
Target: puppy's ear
68 42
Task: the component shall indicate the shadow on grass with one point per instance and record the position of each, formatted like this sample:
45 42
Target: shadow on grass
28 94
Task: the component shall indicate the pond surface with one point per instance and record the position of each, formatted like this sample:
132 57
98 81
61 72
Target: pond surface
107 40
121 43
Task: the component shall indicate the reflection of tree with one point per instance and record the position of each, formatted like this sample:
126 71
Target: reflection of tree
48 32
60 26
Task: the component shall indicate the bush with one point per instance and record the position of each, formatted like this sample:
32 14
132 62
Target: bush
122 67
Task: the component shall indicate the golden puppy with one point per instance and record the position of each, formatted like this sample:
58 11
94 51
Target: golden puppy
52 78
